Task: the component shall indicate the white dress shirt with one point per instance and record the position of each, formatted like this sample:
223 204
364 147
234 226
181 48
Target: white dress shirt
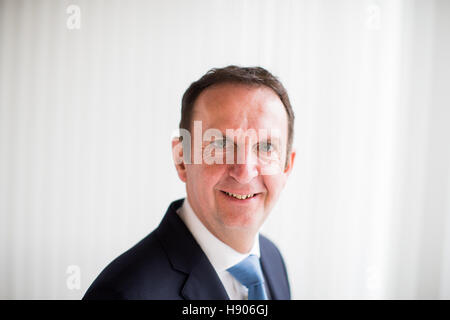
219 254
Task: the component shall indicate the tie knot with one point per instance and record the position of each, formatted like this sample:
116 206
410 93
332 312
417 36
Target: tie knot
248 271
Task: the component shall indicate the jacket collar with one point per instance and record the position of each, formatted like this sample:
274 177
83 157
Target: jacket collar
271 274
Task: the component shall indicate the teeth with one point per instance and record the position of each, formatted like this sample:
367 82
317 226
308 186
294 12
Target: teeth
240 196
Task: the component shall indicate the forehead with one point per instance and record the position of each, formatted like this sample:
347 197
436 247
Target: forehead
238 106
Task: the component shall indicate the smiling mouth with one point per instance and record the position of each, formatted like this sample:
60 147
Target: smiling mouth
240 196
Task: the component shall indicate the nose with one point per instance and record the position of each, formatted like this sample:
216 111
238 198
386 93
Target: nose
244 171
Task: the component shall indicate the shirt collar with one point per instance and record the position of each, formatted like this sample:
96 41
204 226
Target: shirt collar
219 254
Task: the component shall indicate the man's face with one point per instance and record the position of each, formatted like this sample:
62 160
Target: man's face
240 108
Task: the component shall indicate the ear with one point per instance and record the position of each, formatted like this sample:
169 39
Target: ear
289 163
177 154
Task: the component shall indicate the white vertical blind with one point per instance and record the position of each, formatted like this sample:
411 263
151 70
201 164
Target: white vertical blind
86 117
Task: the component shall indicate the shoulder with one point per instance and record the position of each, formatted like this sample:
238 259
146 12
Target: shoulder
139 273
145 271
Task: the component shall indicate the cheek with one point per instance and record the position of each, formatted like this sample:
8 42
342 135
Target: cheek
274 185
203 178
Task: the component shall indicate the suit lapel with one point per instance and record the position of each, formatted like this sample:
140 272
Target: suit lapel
203 283
185 255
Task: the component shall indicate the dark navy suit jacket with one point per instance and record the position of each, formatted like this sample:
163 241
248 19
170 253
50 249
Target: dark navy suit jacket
169 264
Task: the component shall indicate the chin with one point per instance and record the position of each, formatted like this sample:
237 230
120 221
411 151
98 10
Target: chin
241 220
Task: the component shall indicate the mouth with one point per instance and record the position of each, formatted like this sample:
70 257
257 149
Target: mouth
240 197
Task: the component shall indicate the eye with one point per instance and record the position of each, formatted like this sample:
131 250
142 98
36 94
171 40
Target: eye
265 147
219 144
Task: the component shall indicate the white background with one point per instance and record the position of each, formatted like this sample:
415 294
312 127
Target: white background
86 117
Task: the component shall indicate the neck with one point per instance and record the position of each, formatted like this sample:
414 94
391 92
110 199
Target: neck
241 240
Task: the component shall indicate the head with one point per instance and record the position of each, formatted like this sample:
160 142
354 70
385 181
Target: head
249 111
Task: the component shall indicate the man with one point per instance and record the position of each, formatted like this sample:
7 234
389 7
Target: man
234 155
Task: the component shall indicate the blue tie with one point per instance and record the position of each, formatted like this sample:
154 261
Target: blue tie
249 273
